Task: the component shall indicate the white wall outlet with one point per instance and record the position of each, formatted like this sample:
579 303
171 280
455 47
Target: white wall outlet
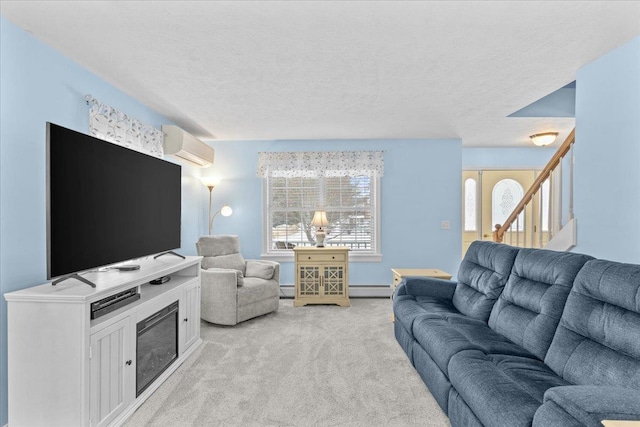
446 225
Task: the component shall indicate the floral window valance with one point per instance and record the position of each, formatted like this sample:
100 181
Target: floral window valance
320 163
105 122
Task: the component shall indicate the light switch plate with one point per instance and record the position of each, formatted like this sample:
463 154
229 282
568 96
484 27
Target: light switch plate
446 225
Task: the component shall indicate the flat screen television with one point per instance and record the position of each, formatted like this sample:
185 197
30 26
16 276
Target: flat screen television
106 203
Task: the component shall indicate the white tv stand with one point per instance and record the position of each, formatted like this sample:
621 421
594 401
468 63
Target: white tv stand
66 369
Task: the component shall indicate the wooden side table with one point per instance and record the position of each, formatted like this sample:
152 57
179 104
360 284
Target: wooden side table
620 423
400 273
322 276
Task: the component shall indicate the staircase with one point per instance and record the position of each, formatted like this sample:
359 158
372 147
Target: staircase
555 229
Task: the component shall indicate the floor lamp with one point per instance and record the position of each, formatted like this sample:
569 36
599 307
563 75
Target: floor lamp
225 210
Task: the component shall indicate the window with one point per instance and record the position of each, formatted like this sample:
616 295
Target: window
470 219
298 184
505 196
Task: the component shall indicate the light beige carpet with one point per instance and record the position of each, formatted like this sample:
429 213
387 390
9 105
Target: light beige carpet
306 366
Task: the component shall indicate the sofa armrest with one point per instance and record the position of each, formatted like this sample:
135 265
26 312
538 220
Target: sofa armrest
428 287
218 291
590 405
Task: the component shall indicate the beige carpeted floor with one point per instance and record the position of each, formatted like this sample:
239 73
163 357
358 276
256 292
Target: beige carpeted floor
306 366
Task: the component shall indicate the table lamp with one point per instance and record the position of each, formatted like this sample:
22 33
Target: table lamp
320 220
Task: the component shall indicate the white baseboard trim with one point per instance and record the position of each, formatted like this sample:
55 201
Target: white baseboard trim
358 291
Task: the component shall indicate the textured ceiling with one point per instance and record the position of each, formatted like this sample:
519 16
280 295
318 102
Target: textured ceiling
337 70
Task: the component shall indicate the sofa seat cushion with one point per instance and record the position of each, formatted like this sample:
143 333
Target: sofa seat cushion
501 389
442 338
408 307
255 289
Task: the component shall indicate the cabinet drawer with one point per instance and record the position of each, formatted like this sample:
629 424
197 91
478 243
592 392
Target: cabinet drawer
321 257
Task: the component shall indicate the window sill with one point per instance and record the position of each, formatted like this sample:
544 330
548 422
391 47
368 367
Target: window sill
353 257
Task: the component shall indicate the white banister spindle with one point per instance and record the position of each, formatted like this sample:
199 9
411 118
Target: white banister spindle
571 162
558 202
540 215
479 206
524 226
551 206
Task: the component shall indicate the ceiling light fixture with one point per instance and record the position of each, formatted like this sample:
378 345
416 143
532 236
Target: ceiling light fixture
542 139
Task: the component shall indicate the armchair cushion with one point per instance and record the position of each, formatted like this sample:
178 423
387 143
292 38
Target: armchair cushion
221 251
256 289
259 269
231 262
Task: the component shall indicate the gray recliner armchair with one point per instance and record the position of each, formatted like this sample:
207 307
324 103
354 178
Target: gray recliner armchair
235 289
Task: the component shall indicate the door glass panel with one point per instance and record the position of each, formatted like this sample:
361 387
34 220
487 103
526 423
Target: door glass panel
506 195
470 219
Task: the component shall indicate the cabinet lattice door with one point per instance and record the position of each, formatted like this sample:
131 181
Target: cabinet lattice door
333 280
309 278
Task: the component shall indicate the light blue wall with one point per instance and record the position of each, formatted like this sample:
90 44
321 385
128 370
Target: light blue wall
37 85
607 155
560 103
419 189
506 158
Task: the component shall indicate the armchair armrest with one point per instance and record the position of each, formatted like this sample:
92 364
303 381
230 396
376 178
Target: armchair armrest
219 290
428 286
257 262
589 405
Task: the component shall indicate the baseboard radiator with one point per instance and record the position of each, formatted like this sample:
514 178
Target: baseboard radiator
359 291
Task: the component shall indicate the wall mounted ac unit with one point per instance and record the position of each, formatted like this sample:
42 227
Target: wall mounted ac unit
186 146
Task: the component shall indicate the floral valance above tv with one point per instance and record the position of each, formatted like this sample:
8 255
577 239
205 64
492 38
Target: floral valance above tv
105 122
320 163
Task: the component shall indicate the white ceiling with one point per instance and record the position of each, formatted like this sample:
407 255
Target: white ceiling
337 70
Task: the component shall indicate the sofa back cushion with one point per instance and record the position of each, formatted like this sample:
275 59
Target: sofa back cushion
221 251
481 277
598 338
529 308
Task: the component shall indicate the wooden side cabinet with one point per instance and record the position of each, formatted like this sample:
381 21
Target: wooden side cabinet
322 276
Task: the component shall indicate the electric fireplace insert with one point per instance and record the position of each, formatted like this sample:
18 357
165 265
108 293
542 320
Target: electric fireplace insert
156 346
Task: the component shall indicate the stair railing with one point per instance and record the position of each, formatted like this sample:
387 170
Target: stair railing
552 172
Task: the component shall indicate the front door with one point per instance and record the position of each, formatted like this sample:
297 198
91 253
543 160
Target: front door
488 198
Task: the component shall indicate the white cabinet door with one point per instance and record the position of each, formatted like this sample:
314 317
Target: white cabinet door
190 315
111 372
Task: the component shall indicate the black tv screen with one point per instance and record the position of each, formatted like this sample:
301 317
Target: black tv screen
106 203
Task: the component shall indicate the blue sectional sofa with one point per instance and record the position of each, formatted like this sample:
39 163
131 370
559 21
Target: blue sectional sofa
526 337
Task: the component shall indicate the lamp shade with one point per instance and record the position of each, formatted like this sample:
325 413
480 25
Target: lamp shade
542 139
319 219
226 210
210 181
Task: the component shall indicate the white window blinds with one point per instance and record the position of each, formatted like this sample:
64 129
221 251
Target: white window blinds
343 184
